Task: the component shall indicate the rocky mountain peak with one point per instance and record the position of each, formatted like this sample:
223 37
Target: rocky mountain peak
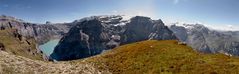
103 18
196 26
140 18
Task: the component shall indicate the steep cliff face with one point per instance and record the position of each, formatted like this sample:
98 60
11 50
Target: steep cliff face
81 41
94 34
210 41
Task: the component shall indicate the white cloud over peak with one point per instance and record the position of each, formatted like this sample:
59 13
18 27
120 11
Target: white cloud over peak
224 27
138 8
178 1
175 1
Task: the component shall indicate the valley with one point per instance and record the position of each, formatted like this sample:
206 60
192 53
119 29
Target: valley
109 44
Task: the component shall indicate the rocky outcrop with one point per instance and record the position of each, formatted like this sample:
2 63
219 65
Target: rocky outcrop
206 40
2 47
93 35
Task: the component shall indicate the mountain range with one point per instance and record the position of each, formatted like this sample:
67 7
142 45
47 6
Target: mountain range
93 35
111 44
107 32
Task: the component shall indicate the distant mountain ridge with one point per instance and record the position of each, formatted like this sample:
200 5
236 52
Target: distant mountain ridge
207 40
41 32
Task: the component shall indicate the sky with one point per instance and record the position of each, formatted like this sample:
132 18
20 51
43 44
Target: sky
221 14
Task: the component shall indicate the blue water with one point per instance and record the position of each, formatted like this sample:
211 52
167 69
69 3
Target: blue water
48 47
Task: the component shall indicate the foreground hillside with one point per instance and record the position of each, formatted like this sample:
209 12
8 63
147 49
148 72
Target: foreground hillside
164 57
146 57
12 64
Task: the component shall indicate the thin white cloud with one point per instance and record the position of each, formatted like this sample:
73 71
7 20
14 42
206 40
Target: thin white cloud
128 13
175 1
114 11
223 27
178 1
146 8
5 5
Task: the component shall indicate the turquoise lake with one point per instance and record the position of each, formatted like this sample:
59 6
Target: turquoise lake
48 47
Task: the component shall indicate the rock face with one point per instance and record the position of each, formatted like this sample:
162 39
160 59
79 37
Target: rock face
205 40
82 39
92 35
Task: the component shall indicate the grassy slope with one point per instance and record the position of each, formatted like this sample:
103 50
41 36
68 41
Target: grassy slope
163 57
17 47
